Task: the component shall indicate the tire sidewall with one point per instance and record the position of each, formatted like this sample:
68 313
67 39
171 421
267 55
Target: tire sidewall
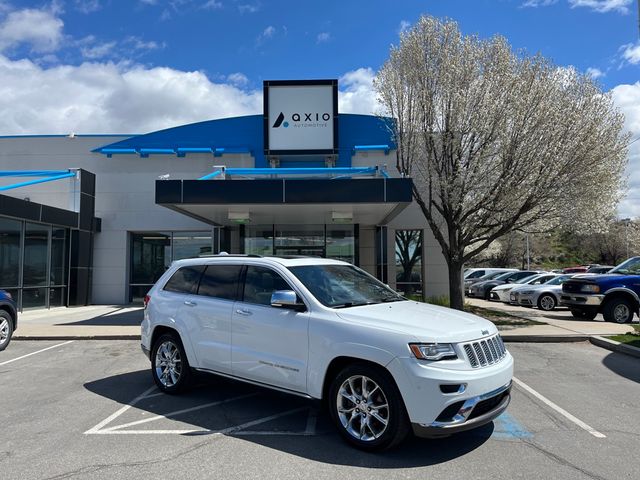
397 427
181 384
611 306
5 316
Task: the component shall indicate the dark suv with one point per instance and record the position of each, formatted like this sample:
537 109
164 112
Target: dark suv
8 318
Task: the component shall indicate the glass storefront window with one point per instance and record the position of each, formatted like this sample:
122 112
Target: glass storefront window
258 240
34 298
191 244
409 263
308 240
10 233
150 256
36 252
341 243
59 261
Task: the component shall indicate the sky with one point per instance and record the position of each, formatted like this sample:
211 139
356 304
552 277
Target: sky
134 66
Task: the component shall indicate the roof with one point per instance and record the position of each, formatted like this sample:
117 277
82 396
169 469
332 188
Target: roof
257 260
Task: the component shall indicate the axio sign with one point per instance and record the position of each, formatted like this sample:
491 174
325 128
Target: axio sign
300 117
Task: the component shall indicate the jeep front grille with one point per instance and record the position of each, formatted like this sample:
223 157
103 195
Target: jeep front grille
485 352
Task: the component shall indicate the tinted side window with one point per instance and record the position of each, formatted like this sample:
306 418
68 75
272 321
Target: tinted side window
185 280
220 281
261 283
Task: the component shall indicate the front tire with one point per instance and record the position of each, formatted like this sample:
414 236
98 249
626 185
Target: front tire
367 408
547 302
169 364
6 329
618 310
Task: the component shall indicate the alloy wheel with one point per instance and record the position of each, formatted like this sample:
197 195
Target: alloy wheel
362 408
168 364
4 330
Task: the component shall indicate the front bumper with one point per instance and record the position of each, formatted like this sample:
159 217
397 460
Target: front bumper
581 300
488 406
146 351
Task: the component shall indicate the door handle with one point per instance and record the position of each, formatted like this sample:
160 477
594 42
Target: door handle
242 311
190 303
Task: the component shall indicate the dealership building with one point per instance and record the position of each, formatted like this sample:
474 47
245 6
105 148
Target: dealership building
96 219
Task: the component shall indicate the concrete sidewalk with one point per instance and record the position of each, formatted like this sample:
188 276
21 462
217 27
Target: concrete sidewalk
123 322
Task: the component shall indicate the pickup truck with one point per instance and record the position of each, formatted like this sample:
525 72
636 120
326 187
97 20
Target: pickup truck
616 295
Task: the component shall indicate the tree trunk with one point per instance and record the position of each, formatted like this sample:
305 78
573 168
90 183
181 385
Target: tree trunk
456 297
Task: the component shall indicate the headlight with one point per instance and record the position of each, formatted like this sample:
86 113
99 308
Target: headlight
433 351
590 288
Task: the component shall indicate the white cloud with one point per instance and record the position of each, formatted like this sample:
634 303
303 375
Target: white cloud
595 73
98 51
631 53
266 34
249 7
357 94
627 99
603 6
238 79
41 30
538 3
323 37
88 6
112 98
212 5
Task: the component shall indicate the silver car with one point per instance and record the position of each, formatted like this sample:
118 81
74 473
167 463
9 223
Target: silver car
546 296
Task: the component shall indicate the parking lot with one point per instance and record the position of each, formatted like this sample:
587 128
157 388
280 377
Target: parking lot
89 409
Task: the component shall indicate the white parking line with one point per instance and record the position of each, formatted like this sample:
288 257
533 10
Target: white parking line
178 412
33 353
558 409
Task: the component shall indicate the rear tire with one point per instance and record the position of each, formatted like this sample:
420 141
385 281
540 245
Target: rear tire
169 365
6 329
618 310
367 408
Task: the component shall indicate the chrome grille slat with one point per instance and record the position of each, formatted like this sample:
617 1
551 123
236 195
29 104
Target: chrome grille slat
485 352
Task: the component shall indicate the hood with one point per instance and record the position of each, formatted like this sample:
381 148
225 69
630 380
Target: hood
421 321
507 286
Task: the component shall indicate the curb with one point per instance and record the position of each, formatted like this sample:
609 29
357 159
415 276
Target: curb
544 338
76 337
615 346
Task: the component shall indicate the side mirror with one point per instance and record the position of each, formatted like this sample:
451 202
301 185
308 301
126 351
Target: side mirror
286 299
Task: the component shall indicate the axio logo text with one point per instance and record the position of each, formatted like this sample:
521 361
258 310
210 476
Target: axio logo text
301 117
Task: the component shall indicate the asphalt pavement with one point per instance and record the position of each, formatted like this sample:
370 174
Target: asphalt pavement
89 409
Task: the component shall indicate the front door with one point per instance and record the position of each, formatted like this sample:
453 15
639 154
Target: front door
269 344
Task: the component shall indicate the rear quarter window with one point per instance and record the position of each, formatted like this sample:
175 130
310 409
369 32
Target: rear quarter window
185 280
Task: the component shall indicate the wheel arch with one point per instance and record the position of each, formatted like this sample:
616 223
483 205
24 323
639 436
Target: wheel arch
338 364
12 313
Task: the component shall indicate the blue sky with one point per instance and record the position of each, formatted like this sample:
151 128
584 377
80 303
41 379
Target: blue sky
133 66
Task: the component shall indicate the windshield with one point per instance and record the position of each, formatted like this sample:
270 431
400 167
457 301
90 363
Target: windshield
628 267
340 286
503 275
528 279
559 280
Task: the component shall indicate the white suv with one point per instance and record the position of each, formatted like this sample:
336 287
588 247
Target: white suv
327 330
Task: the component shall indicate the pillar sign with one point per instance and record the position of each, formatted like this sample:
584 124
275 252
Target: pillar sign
301 117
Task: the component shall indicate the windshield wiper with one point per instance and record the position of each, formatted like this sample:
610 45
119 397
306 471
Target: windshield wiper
393 299
353 304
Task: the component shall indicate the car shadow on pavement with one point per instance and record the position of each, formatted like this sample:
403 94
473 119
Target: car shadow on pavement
263 417
624 365
127 317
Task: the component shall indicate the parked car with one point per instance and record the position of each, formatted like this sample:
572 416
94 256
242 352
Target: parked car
324 329
599 269
578 269
489 276
545 297
8 318
501 292
615 295
471 273
483 289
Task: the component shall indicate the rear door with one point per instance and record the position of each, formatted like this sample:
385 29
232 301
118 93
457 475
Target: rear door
207 315
270 344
